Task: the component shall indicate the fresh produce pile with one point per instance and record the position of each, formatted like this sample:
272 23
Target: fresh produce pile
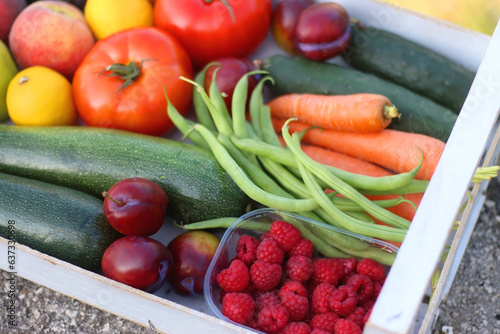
92 93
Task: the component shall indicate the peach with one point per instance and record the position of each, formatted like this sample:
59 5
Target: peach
52 34
9 9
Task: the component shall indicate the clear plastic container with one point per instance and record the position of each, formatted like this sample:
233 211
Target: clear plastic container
257 222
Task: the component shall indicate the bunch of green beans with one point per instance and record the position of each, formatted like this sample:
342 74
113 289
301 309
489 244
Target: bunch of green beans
286 178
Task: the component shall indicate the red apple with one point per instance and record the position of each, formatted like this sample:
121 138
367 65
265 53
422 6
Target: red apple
140 262
192 252
9 9
135 206
52 34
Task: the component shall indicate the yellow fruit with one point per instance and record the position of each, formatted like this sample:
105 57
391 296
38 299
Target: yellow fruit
40 96
8 70
105 17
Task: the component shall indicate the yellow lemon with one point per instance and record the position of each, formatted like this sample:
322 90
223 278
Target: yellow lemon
105 17
40 96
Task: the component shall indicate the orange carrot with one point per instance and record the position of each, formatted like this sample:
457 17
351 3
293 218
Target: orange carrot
356 112
343 161
354 165
395 150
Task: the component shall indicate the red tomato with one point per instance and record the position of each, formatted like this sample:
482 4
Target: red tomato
207 30
101 98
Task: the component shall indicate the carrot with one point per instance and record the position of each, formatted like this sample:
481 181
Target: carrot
354 165
343 161
356 112
395 150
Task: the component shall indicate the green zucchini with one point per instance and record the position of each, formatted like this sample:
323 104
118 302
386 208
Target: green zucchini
65 223
409 64
419 114
93 160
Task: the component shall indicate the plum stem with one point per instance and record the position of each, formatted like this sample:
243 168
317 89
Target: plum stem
105 194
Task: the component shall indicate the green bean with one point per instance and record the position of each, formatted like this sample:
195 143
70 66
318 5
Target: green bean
347 222
343 188
184 126
256 105
239 103
200 108
367 249
246 184
414 187
217 98
280 154
221 122
255 172
225 222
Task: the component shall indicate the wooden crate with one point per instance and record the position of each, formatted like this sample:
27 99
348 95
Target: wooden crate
400 307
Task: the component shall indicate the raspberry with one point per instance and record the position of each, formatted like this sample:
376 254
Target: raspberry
328 270
235 278
363 286
295 287
371 268
320 298
345 326
304 247
343 301
367 315
377 287
299 268
264 275
357 316
266 298
285 234
269 250
293 296
350 265
296 306
296 328
319 331
265 235
368 304
272 318
324 321
238 307
245 249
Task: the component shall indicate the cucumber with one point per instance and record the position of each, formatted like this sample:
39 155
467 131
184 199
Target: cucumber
93 160
293 74
409 64
64 223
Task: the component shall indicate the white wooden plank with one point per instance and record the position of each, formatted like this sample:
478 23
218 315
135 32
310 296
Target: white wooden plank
113 297
410 275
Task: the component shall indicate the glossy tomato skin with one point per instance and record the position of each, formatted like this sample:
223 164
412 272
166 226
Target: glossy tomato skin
141 106
140 262
207 30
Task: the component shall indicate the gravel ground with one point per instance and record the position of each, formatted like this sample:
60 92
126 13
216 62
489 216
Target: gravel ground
472 306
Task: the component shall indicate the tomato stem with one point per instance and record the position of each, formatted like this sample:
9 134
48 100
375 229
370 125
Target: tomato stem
226 4
128 73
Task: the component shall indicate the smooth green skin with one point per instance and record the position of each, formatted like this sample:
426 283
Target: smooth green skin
8 70
408 64
93 160
61 222
418 113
